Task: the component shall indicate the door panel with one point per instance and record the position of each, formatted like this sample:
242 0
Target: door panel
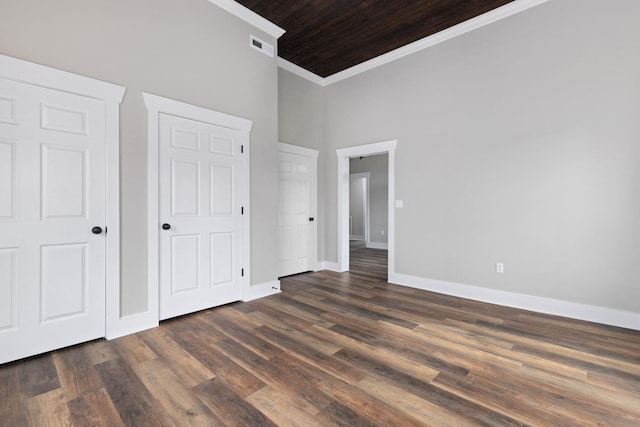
64 182
221 198
221 258
52 192
185 260
8 291
64 283
295 241
7 179
185 187
200 196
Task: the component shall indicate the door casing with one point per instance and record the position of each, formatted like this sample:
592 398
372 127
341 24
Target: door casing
344 154
156 105
112 95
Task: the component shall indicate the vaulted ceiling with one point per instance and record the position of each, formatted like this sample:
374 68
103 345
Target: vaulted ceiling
328 36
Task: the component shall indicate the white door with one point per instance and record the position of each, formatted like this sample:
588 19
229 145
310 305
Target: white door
52 194
200 215
295 214
359 206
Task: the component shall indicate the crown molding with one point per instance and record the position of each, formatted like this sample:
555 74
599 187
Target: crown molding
490 17
301 72
249 16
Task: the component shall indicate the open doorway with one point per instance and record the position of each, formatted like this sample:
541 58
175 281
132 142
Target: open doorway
344 158
368 215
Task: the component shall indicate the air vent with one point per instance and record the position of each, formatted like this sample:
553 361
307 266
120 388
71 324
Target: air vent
260 45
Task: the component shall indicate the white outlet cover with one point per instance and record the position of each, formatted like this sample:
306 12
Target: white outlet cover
399 203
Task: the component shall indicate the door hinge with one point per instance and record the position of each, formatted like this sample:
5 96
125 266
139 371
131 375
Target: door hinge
242 272
242 210
241 149
105 230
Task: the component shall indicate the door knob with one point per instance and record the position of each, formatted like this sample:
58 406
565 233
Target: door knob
166 226
310 219
96 230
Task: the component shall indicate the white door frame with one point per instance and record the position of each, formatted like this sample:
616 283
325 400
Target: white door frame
366 177
112 95
156 105
313 199
344 154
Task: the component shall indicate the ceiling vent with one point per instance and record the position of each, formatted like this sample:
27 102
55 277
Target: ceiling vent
260 45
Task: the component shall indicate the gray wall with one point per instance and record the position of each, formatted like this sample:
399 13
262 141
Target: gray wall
378 193
517 143
188 50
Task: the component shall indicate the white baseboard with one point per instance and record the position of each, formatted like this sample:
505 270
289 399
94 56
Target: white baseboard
262 290
376 245
327 265
591 313
127 325
352 237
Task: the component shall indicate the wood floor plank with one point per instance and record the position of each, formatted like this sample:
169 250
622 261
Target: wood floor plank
347 394
423 388
190 371
340 370
100 351
174 396
49 409
133 349
13 410
209 355
94 409
77 376
337 414
135 405
281 410
405 402
231 408
381 355
38 375
459 336
278 376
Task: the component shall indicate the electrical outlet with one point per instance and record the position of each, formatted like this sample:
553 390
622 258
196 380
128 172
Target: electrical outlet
382 231
499 267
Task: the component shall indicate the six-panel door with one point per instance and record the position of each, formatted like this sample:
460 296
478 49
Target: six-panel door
295 239
52 193
200 222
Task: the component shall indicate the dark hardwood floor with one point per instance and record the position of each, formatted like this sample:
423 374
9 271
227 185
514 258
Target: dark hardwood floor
338 349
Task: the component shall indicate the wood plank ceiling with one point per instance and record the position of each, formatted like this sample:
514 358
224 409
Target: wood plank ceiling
328 36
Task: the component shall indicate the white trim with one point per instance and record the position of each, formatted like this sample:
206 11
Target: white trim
249 16
480 21
296 149
301 72
591 313
311 153
156 105
40 75
377 245
344 154
327 265
262 290
47 77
